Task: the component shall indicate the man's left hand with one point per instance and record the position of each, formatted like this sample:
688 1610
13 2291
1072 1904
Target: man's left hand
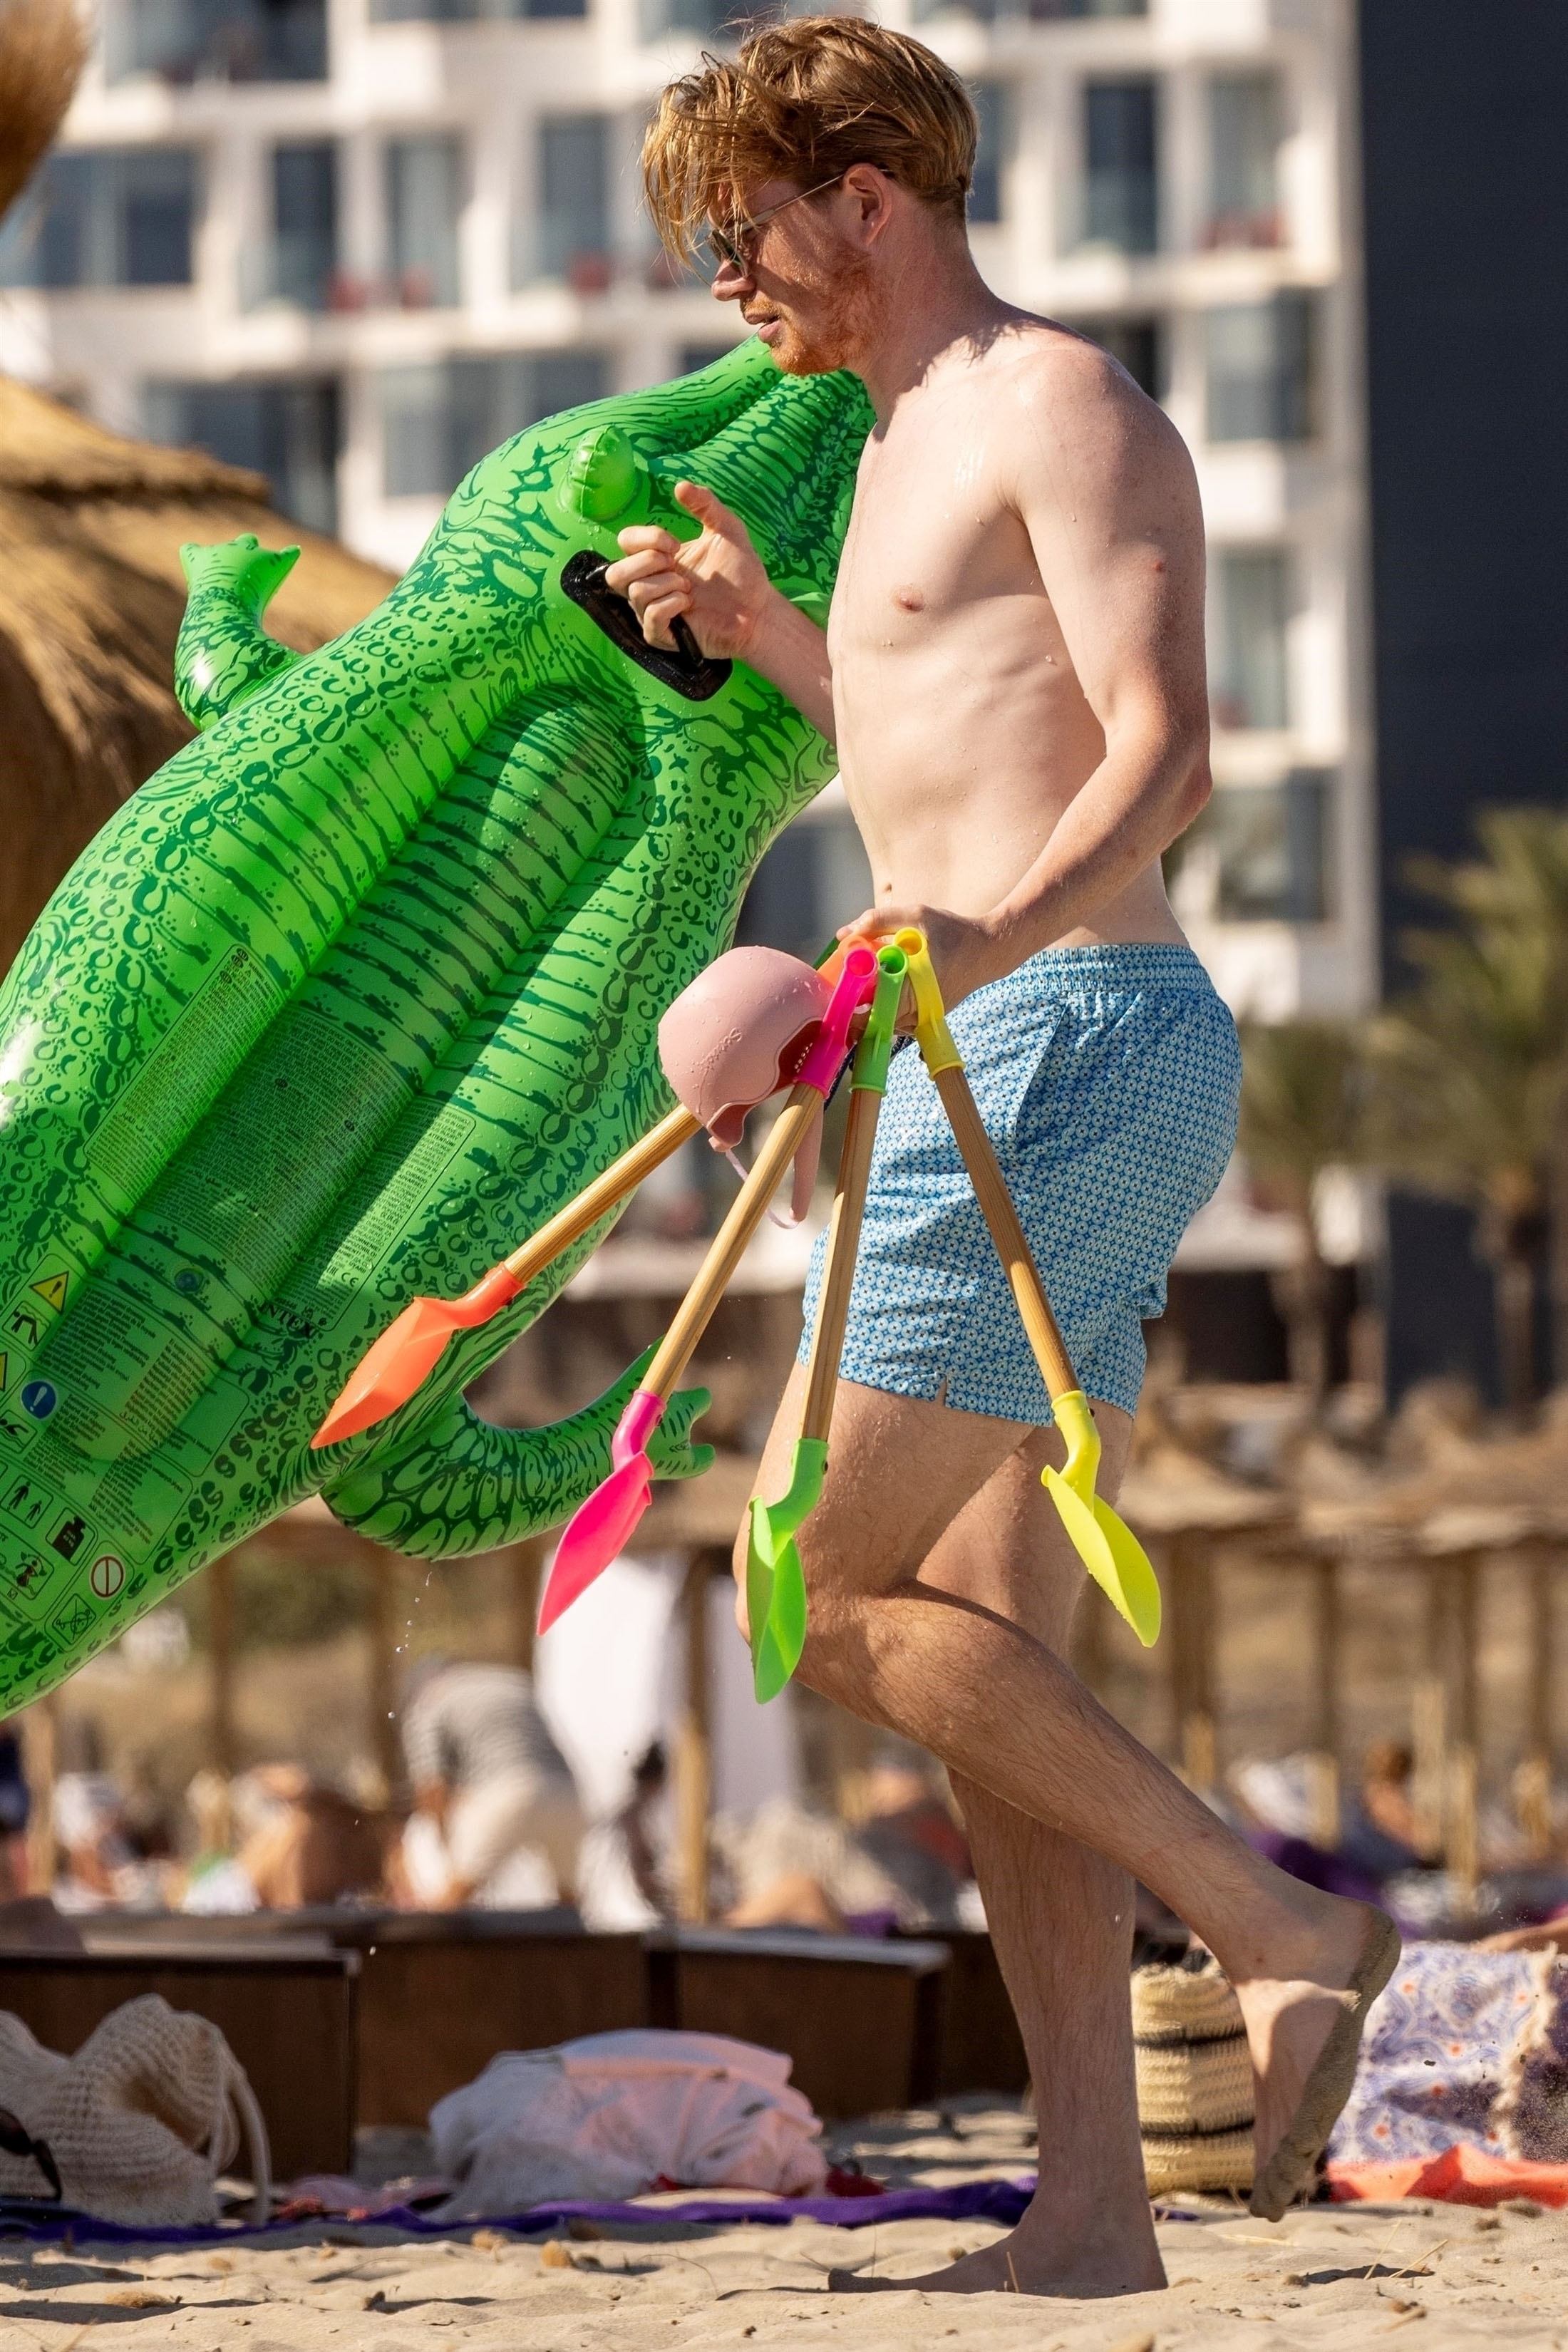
965 953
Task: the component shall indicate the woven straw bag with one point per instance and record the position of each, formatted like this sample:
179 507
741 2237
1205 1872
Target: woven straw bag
1194 2080
138 2126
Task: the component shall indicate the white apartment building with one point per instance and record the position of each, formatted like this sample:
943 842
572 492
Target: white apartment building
355 243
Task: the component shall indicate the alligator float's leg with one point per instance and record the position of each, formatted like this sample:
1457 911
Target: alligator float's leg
222 653
459 1484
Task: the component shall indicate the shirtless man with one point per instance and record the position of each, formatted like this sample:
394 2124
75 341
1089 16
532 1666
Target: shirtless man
1014 677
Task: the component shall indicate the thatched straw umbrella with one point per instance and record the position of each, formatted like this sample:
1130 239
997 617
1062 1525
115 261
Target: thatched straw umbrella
90 587
91 598
43 46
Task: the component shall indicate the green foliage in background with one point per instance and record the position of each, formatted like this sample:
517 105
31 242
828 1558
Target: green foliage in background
1303 1110
1459 1087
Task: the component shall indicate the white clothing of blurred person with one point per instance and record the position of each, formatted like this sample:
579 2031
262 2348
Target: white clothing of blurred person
491 1789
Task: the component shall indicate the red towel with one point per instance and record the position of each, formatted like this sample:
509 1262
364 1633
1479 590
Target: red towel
1461 2176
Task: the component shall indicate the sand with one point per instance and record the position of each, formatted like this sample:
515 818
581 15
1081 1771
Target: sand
1328 2275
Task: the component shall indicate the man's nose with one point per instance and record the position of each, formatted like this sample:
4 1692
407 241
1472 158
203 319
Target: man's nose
729 282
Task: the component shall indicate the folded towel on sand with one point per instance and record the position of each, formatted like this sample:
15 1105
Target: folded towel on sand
1461 2176
1463 2048
614 2114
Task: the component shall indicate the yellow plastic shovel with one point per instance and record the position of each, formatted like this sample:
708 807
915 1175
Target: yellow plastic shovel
1106 1545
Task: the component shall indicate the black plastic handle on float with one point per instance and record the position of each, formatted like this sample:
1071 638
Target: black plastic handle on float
689 670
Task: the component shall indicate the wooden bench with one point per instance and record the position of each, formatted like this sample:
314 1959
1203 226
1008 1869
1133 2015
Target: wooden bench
863 2020
982 2048
869 2025
286 2006
441 1992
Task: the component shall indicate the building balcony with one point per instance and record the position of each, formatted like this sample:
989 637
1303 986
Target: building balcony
185 41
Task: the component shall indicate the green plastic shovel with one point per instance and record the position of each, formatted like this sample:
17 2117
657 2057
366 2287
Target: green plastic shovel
1106 1545
775 1583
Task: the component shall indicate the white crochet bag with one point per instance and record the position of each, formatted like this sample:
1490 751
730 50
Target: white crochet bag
138 2126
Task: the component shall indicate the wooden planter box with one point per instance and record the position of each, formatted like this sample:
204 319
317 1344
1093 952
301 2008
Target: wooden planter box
862 2021
288 2015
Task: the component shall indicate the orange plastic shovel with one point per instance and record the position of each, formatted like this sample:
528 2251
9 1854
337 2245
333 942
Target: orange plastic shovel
403 1358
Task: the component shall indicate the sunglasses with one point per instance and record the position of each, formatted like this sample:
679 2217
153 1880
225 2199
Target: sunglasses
18 2140
738 245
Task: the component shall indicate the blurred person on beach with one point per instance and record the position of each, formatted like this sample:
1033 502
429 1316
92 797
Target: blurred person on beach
902 1862
638 1829
16 1811
300 1844
490 1787
1381 1835
101 1867
318 1847
1014 676
623 1865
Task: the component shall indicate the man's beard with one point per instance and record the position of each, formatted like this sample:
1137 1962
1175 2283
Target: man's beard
843 323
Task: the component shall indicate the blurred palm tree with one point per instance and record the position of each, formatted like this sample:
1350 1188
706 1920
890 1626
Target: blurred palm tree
1302 1112
1469 1070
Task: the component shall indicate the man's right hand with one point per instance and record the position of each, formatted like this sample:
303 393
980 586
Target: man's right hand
717 580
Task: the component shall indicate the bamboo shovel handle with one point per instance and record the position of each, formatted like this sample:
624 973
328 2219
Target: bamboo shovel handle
991 1190
838 1272
570 1223
728 1244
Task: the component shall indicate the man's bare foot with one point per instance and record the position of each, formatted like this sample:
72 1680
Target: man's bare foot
1304 2031
1024 2262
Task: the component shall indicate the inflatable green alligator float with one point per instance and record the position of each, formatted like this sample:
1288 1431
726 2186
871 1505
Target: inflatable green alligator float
359 990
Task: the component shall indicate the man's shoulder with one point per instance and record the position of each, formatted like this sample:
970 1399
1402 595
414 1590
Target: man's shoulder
1049 391
1034 363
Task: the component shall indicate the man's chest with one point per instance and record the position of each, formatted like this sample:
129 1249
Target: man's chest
930 534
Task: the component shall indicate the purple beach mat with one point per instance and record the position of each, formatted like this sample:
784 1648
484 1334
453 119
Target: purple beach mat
968 2201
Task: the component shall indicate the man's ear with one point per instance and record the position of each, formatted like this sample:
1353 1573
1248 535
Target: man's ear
871 194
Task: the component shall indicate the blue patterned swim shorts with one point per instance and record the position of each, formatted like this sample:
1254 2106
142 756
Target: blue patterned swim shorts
1108 1078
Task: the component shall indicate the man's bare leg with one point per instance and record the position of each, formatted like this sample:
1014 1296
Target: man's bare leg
1061 1921
1004 1713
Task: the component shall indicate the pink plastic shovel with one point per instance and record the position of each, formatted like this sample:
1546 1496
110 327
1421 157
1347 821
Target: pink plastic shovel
604 1522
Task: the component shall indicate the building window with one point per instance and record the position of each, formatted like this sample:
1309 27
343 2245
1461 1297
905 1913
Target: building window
425 195
571 229
287 429
109 216
1252 607
1120 180
1261 370
993 113
304 222
218 41
441 419
1138 343
464 12
1244 152
1034 12
1257 854
661 16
